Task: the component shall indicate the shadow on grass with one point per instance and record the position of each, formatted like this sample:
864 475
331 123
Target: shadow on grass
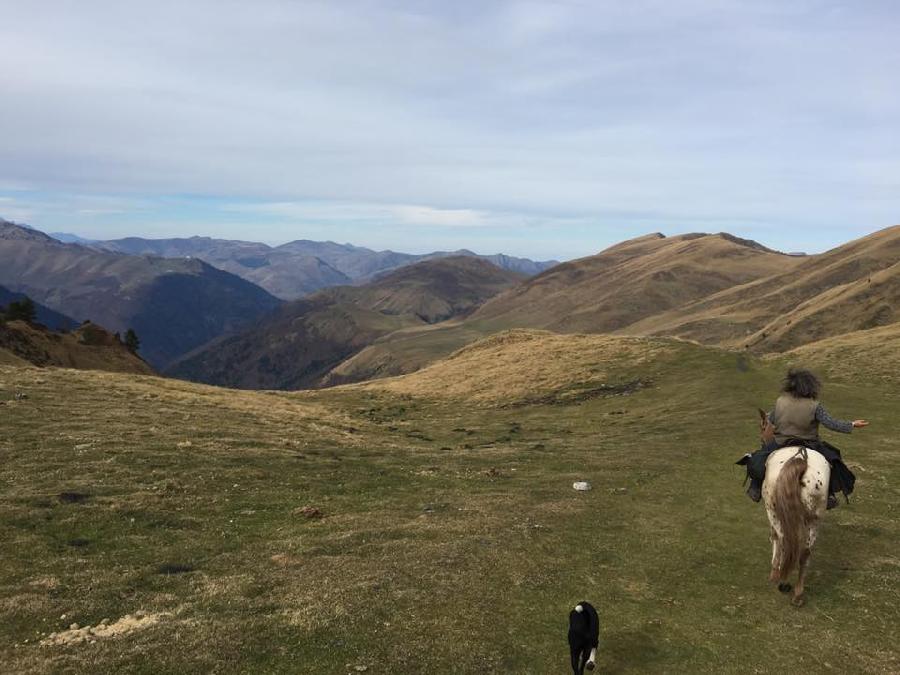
629 651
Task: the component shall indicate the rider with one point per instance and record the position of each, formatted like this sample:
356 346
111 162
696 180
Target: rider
796 420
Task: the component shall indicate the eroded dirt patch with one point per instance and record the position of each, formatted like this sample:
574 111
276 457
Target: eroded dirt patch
76 634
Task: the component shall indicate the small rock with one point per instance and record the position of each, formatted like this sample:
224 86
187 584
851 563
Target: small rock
74 626
82 446
308 512
104 622
581 486
361 669
20 396
184 444
621 491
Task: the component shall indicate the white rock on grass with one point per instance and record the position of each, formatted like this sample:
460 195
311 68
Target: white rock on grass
581 486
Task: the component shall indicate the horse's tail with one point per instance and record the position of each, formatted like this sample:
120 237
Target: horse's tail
791 513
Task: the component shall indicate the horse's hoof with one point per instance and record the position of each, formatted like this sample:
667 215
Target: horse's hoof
798 601
785 587
589 665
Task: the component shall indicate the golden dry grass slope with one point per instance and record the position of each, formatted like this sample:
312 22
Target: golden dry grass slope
521 366
632 280
853 287
87 347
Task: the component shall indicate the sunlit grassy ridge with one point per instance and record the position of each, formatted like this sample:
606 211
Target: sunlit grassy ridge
450 537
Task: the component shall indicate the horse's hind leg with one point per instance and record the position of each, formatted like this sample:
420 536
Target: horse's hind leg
775 574
773 536
798 598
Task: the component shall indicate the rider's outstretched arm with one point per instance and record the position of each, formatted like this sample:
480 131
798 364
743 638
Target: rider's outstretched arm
843 426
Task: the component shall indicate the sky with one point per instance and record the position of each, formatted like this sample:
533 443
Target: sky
542 129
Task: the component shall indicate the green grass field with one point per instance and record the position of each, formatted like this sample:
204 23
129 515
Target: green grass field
450 538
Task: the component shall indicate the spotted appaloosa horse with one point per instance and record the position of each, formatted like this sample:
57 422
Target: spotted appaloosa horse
795 492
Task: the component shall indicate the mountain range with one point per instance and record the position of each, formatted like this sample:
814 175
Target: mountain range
174 305
711 288
296 268
386 313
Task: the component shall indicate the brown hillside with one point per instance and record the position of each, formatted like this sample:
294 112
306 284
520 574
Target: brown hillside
631 281
88 347
299 345
853 287
603 293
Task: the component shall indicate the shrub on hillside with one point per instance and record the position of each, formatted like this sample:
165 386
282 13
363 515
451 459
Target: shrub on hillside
20 310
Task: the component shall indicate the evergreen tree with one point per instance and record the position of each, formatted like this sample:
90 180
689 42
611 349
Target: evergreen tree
21 310
132 342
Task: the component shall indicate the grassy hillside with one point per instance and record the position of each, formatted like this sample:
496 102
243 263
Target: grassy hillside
632 280
299 345
864 356
400 528
88 346
853 287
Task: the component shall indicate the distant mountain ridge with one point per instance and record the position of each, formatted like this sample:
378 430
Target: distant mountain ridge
300 267
174 305
297 346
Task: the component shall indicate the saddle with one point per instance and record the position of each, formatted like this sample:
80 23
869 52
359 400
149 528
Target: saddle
842 478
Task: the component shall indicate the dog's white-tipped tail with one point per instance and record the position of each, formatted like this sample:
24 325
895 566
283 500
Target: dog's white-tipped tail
579 608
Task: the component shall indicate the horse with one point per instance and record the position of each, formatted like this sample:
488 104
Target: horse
795 492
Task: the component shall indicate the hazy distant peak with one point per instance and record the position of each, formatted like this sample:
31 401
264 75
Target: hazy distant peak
13 231
70 238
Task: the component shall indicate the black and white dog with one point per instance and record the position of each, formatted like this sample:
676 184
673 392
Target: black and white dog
584 636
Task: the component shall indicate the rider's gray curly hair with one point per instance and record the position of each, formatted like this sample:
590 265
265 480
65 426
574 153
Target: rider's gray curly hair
802 384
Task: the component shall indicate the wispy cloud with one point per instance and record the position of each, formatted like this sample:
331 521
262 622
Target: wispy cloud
386 214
